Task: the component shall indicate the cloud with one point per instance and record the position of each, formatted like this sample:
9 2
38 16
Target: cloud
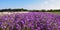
33 7
45 2
52 0
48 4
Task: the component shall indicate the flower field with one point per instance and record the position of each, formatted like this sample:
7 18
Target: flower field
30 21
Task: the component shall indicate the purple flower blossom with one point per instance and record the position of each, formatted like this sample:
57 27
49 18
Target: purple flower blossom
31 21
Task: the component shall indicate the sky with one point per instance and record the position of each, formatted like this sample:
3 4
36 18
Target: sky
30 4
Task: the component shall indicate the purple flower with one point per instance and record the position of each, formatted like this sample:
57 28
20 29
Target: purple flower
31 20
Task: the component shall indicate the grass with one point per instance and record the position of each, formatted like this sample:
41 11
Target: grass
55 12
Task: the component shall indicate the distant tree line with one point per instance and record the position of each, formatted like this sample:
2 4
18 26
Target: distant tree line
43 10
9 10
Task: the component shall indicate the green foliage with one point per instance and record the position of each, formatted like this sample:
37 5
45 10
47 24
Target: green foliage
43 10
1 29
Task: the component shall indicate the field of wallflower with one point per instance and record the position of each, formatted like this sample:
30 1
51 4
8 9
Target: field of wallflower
29 21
